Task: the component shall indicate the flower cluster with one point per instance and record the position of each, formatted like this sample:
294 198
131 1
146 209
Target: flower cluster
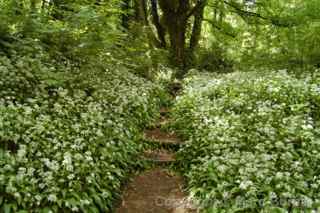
251 136
67 149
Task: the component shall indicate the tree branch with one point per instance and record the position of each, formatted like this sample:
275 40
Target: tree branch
198 6
219 28
272 20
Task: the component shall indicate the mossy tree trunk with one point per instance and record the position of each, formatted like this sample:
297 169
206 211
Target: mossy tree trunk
161 32
197 27
175 18
176 21
172 24
140 8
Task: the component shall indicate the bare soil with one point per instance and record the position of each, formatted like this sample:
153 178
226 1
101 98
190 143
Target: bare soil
161 155
164 111
162 137
154 191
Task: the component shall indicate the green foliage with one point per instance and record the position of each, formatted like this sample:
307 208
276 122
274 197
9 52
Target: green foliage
72 106
70 111
253 141
213 59
139 55
270 33
68 145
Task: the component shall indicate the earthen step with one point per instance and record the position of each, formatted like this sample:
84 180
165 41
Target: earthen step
175 88
154 191
164 111
157 135
163 121
159 156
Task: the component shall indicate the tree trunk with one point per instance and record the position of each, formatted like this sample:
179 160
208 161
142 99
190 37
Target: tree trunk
140 7
175 19
156 21
177 40
197 27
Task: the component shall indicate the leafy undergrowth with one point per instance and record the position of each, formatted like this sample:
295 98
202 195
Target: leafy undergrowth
253 141
67 143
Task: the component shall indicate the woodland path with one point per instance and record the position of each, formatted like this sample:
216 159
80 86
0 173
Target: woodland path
157 190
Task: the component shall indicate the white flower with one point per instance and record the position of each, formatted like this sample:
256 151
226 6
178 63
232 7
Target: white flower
222 168
84 202
41 185
69 168
28 110
52 198
67 161
279 175
246 184
89 158
75 209
71 176
38 197
21 153
17 195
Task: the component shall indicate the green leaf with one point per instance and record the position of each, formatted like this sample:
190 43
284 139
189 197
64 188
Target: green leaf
7 208
46 210
98 201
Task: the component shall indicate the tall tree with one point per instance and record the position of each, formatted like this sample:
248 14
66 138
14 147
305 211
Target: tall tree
156 21
197 26
171 19
176 16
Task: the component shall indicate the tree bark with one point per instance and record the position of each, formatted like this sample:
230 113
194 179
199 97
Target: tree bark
175 19
197 27
156 21
141 16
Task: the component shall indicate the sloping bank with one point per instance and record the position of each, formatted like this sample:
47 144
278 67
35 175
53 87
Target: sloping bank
68 140
253 141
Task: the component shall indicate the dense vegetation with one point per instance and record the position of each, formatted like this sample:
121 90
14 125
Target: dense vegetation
253 138
79 80
71 114
71 151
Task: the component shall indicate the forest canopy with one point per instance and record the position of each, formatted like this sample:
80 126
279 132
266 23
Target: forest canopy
193 33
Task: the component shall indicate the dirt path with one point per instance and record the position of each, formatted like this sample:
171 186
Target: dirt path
157 190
